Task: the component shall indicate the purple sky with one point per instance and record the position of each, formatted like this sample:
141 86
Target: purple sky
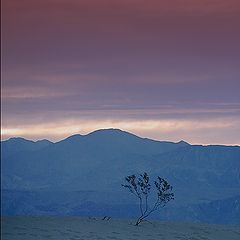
167 70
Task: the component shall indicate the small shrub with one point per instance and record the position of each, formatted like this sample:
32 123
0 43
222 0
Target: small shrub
140 187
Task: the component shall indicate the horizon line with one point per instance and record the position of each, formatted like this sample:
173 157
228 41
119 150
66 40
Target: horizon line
115 129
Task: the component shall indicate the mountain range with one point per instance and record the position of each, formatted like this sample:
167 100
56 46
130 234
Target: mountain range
82 175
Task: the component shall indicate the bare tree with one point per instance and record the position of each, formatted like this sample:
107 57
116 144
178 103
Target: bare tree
140 187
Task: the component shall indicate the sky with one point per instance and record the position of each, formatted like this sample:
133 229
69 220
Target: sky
167 70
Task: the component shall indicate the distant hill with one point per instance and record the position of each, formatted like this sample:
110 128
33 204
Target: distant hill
13 146
90 169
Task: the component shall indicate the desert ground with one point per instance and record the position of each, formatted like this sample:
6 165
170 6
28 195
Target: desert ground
76 228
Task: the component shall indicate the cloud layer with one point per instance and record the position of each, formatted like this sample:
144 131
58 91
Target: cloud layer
168 65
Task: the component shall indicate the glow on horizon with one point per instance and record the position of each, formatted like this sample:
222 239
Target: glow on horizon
192 131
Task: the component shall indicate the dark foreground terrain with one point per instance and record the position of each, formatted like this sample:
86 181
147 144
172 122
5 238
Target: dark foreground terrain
73 228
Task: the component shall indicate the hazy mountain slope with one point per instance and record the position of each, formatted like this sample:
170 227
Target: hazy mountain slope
64 163
195 170
13 146
225 211
222 211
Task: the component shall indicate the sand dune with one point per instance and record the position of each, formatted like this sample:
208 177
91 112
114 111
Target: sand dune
76 228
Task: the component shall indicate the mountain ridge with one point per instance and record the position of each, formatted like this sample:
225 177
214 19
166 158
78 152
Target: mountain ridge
113 131
99 132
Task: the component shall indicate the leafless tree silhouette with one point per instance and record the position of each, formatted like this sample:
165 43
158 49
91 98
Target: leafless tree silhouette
140 187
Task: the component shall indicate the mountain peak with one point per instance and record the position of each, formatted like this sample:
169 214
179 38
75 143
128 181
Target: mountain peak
112 132
18 140
24 140
183 143
74 137
108 130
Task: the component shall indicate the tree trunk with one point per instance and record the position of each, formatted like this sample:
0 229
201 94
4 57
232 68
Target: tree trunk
139 221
